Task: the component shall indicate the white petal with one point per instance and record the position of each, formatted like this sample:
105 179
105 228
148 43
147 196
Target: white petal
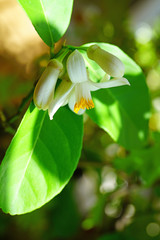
80 98
109 84
45 87
61 97
71 103
76 67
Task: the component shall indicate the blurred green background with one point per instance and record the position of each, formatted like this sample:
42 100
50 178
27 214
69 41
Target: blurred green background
114 194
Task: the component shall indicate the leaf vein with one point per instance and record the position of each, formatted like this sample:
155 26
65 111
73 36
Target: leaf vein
47 21
20 182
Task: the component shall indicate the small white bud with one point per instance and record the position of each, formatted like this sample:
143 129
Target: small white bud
107 61
44 90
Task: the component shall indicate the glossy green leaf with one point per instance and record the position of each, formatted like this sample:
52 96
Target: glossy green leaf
40 159
121 111
49 17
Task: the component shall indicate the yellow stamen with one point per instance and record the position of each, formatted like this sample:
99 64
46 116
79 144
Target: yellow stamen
82 104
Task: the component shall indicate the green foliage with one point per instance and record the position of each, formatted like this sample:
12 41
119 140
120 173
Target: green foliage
64 204
115 193
123 111
115 236
50 17
134 164
40 159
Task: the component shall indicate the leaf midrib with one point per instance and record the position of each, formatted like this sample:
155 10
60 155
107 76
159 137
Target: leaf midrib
46 18
20 182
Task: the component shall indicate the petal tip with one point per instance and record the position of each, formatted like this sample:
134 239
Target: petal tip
50 115
126 82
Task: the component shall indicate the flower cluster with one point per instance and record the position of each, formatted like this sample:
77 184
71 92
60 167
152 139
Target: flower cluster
76 86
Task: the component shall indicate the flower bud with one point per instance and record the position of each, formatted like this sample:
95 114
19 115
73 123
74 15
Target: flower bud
44 90
107 61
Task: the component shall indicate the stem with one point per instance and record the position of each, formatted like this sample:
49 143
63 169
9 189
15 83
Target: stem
7 127
7 124
52 55
61 55
74 47
21 107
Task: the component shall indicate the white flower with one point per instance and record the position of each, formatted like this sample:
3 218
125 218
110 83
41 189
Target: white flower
77 92
44 90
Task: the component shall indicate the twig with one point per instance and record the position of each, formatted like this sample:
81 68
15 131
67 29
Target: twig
7 123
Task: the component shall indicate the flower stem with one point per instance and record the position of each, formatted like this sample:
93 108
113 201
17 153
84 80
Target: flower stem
75 47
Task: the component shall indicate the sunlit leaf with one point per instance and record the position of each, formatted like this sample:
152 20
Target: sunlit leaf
49 17
40 159
121 111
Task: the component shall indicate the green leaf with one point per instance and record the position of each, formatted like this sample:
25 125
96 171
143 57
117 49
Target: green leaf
49 17
121 111
40 159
